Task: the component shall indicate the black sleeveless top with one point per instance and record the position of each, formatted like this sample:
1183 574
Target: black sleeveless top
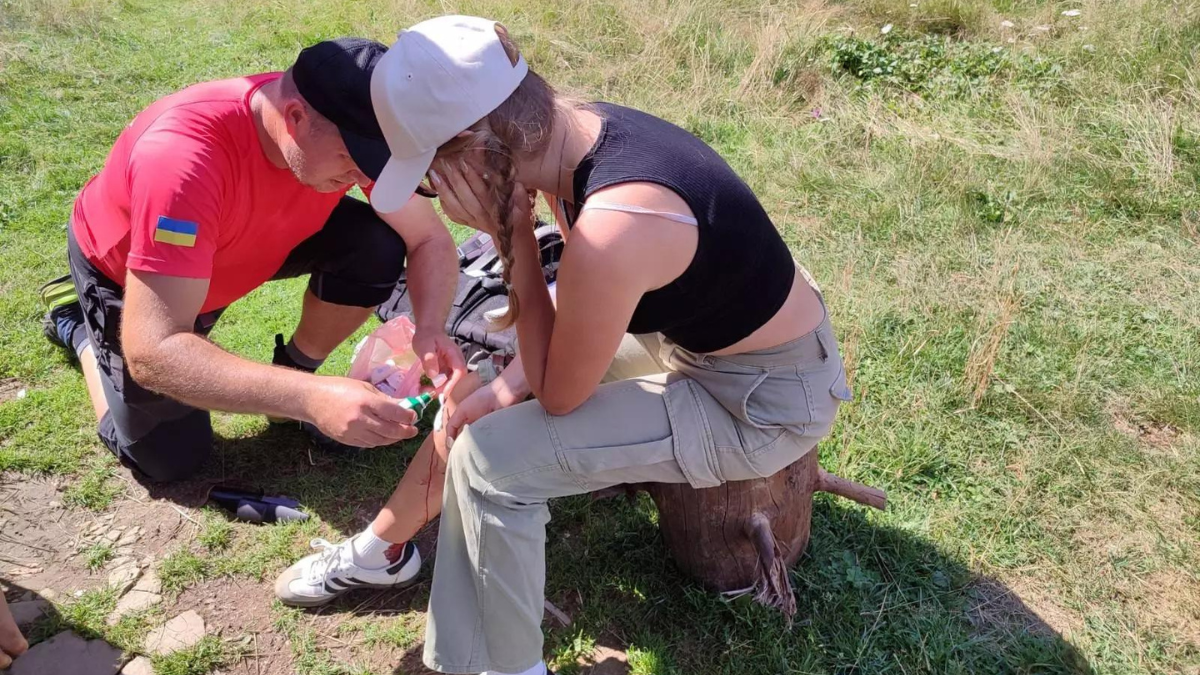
742 271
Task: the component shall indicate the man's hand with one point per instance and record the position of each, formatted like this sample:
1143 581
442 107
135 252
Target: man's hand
357 414
439 354
12 643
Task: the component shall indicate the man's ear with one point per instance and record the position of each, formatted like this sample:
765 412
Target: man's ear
296 117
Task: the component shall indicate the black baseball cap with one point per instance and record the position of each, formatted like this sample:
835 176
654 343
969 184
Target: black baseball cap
334 76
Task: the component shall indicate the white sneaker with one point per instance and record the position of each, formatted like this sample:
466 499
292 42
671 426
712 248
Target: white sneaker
323 576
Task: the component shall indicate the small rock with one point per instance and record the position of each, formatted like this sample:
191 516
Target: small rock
113 534
69 654
143 595
605 661
1072 12
124 575
78 593
139 666
130 537
54 505
22 393
181 632
1007 24
1042 29
28 611
48 593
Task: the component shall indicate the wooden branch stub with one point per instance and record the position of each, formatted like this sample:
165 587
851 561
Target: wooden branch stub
863 494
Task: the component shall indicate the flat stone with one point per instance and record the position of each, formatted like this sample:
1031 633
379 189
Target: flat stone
124 575
605 661
69 654
139 666
145 593
130 537
181 632
48 593
28 611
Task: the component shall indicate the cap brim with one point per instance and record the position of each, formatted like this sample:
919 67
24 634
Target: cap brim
370 154
398 180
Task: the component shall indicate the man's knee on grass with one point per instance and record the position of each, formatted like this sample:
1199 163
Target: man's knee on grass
172 451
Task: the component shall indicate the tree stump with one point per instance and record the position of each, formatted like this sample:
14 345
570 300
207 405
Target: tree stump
743 536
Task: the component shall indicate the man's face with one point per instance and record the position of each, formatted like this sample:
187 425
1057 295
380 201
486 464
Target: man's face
316 153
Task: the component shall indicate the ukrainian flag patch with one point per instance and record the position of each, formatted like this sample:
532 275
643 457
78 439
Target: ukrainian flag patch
176 232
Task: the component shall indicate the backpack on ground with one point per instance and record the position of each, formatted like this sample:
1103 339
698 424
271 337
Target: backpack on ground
481 295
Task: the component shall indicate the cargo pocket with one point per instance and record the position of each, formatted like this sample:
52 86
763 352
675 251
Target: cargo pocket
102 315
647 430
826 406
595 468
692 436
840 389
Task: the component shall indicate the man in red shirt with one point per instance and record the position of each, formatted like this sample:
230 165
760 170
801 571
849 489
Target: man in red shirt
210 193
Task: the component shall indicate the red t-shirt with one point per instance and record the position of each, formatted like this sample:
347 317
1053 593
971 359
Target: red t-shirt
187 191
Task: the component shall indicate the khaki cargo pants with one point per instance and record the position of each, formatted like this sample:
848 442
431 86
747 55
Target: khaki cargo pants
673 417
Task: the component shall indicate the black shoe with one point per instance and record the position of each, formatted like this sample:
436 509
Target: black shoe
281 357
63 311
60 323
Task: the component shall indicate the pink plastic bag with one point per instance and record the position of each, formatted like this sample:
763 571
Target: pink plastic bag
385 359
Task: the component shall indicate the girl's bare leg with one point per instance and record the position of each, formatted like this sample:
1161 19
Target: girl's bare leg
418 498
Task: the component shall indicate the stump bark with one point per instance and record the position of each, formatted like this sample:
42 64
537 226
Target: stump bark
741 537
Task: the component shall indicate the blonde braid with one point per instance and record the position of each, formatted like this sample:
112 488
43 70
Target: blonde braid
498 159
520 127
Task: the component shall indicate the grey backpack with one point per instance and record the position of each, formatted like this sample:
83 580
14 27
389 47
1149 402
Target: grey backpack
481 294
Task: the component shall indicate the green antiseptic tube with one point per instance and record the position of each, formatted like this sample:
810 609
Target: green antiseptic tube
417 403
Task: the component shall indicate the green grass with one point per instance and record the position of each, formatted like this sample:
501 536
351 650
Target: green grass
97 555
87 616
95 489
202 658
217 534
1005 225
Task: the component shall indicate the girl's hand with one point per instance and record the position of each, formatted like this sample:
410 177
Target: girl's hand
464 195
466 198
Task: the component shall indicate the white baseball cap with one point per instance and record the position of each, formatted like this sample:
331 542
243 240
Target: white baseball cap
440 77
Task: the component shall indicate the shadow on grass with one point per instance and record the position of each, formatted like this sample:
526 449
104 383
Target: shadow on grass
35 627
62 653
344 488
871 598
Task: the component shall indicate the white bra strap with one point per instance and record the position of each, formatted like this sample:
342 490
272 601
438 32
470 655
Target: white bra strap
630 208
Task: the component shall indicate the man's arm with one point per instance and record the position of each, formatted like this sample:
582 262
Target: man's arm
432 281
163 354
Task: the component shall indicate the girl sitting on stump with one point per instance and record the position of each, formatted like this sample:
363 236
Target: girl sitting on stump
674 283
